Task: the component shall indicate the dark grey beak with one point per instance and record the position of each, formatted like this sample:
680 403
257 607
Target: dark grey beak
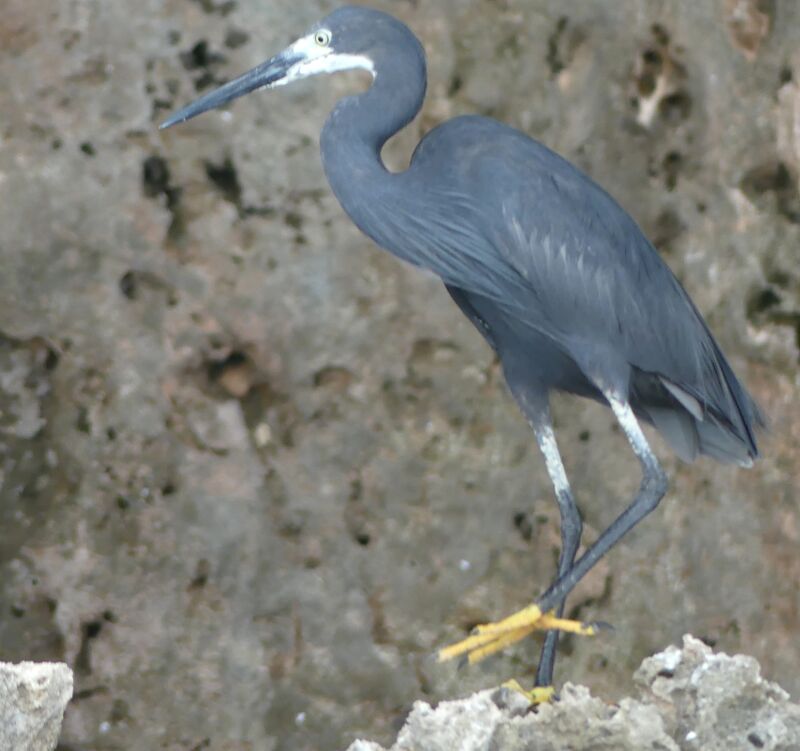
266 74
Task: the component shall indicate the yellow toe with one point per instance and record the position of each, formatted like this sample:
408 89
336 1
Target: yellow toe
489 638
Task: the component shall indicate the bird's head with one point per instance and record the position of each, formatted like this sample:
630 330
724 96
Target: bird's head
350 37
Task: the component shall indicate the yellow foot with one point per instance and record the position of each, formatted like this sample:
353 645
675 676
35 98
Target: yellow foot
492 637
537 695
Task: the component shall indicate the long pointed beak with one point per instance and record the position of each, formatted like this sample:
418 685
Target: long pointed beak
270 73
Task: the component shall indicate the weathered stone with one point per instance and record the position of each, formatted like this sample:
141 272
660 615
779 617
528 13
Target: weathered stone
689 698
33 696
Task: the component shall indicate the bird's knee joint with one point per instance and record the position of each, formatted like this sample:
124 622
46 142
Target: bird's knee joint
656 483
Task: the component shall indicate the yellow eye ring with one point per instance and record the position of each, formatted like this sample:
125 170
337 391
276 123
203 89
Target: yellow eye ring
322 37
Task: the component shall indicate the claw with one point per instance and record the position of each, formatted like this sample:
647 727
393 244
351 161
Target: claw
536 695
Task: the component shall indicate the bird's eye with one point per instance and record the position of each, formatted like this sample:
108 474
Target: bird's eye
323 37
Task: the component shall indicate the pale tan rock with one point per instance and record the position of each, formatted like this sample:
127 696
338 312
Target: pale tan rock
33 696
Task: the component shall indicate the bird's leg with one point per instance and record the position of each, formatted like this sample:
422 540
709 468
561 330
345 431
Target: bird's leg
651 491
571 528
492 637
538 414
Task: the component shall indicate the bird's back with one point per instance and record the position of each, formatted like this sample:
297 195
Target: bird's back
557 255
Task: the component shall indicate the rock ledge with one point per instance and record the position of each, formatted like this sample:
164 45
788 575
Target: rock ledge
690 698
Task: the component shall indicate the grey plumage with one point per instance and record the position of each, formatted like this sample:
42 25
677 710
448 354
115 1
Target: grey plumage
555 275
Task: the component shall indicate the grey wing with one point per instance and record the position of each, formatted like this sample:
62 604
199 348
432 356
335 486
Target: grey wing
605 291
595 276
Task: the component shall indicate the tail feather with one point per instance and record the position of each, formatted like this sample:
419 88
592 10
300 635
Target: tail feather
748 412
718 442
678 428
718 421
688 437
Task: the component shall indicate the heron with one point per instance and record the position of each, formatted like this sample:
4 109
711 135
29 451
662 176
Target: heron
555 275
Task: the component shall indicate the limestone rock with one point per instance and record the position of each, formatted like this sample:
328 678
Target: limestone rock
690 698
33 696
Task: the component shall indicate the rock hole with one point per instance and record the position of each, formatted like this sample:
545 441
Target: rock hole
156 182
236 38
553 57
523 525
201 574
293 219
652 57
777 179
764 178
127 285
235 374
204 81
761 301
226 180
51 359
778 277
671 166
666 229
82 421
755 740
89 630
119 711
660 33
88 149
200 57
333 377
675 107
155 176
220 9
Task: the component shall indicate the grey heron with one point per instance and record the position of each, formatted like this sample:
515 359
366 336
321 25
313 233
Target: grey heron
555 275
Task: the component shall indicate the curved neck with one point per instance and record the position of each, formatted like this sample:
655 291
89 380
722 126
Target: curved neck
360 125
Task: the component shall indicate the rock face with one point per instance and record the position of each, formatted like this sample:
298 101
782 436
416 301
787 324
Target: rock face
33 696
253 470
689 698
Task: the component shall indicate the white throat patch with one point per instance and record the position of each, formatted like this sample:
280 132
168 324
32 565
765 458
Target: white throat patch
320 59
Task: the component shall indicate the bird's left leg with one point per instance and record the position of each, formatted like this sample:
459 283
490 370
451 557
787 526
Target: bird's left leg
571 528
